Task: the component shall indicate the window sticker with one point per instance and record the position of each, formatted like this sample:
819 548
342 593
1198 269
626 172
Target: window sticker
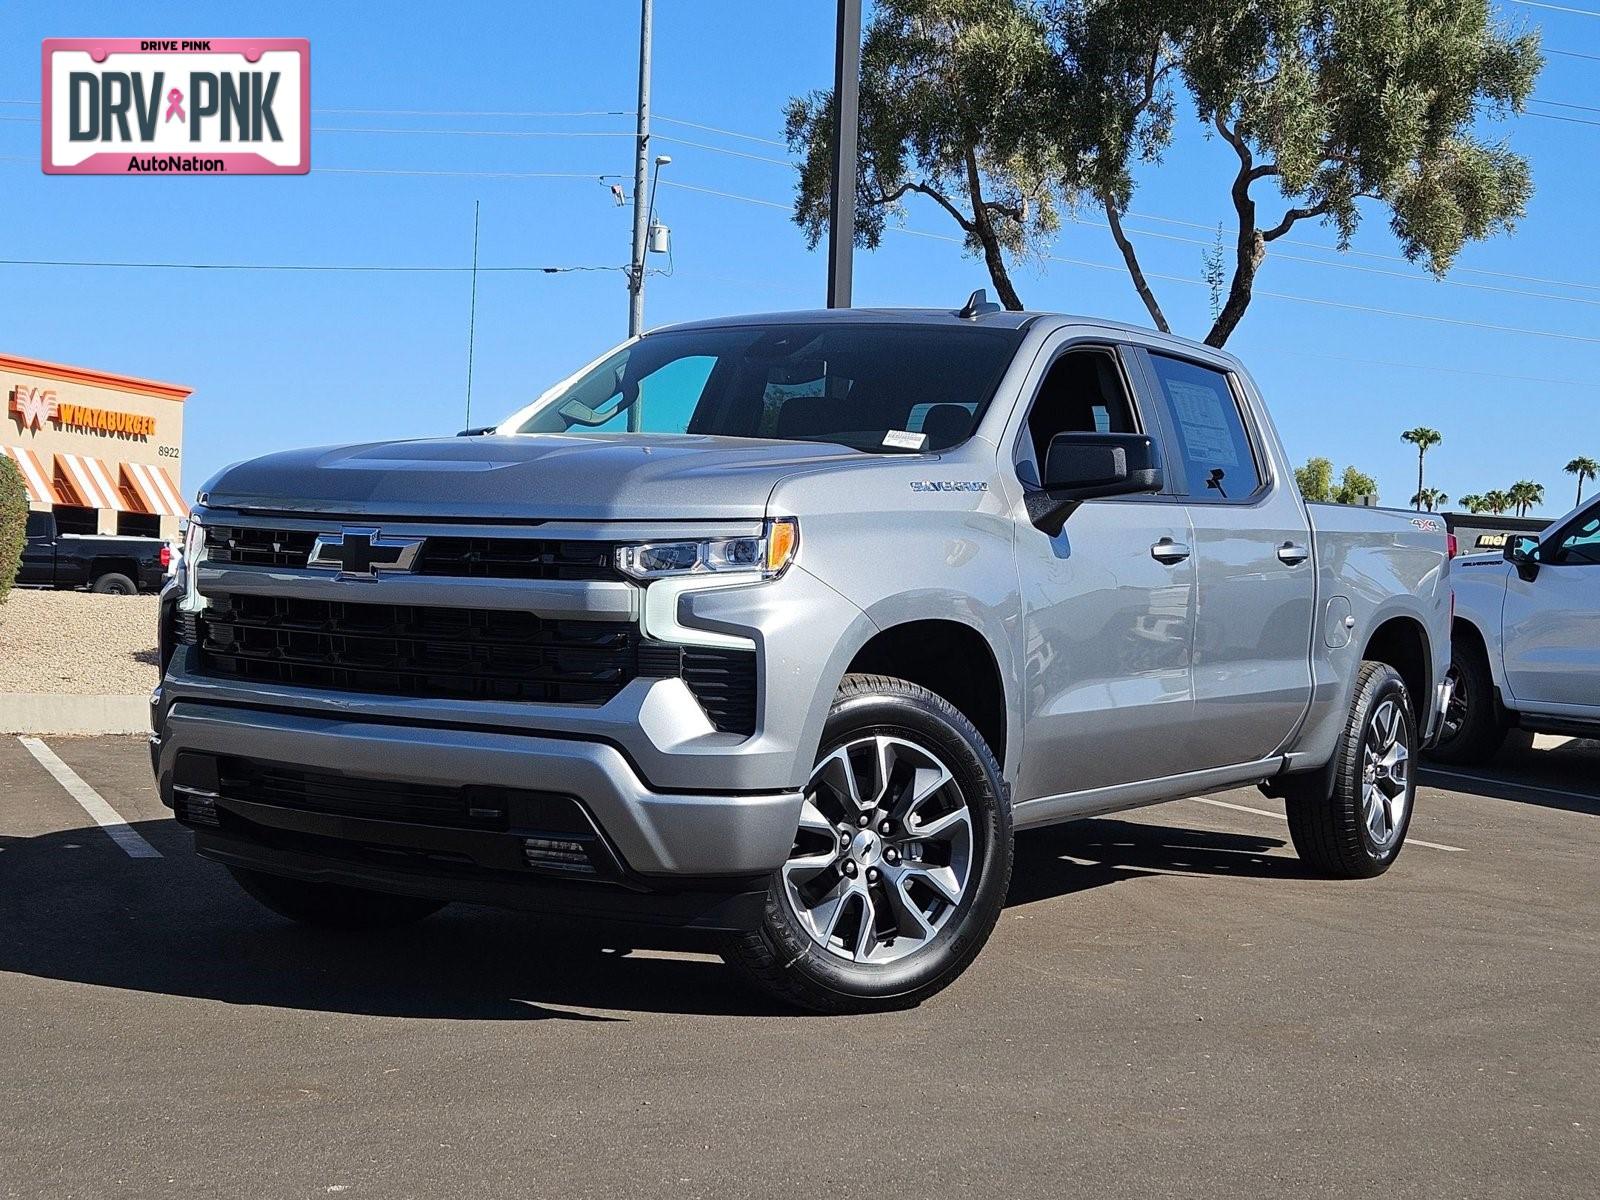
903 439
1200 411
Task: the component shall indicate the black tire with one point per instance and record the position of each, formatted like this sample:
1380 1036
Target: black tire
331 905
1328 829
1475 723
784 961
113 583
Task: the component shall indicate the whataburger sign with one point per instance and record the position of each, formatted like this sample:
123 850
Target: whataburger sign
167 106
33 406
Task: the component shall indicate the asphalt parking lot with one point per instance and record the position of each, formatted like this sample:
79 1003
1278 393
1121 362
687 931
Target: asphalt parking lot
1169 1007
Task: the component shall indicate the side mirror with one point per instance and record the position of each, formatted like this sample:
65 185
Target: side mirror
478 431
1091 466
1522 551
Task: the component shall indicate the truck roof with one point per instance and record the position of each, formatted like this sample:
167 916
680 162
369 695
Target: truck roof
1001 319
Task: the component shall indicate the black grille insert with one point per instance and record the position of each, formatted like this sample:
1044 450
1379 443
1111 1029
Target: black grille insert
462 557
409 650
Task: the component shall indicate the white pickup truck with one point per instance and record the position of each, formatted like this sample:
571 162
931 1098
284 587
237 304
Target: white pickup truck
1525 647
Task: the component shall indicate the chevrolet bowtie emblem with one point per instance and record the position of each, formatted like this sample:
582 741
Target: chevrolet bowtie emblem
361 553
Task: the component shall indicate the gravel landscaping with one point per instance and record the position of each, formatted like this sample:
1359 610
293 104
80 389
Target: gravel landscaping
78 643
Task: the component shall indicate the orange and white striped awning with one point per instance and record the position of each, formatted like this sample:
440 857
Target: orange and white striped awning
91 481
155 489
35 476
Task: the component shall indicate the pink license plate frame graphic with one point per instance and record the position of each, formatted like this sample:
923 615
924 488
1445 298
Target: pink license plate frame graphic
117 162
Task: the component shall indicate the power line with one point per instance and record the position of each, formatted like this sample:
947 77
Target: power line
749 137
511 133
376 268
590 175
1558 117
1568 104
1570 53
1561 8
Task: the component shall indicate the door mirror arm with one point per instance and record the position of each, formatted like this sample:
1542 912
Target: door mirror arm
1091 466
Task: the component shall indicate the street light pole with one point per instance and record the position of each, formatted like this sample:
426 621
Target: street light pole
641 172
846 123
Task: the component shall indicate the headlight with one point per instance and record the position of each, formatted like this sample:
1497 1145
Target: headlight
194 552
766 555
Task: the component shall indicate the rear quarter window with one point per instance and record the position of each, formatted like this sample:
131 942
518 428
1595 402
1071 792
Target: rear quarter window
1218 461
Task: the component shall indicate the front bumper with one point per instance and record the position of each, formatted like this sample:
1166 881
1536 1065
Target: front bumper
680 857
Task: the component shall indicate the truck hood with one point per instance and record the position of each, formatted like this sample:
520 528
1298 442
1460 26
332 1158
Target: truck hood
588 477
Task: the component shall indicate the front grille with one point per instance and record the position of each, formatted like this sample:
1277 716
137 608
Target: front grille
517 558
347 796
463 557
409 650
248 546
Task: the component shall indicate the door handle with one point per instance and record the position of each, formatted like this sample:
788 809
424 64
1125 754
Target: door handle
1293 554
1169 552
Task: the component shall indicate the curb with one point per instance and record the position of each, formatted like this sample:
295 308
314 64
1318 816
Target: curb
57 713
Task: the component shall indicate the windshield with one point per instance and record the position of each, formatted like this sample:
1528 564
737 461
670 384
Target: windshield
873 387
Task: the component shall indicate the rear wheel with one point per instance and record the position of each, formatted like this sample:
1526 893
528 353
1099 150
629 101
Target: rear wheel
1356 830
113 583
1475 724
331 905
901 861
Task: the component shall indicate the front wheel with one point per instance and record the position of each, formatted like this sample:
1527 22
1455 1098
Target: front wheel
901 861
1355 830
1475 724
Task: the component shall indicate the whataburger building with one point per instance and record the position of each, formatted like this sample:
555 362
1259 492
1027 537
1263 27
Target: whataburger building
101 451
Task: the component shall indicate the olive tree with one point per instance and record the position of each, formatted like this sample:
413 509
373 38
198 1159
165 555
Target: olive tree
1323 103
952 95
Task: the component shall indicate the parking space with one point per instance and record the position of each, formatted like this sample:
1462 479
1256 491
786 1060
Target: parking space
1169 1006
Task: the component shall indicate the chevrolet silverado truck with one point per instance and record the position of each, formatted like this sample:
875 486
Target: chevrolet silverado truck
781 627
109 564
1525 642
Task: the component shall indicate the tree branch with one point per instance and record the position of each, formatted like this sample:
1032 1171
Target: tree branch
961 218
1293 215
1135 271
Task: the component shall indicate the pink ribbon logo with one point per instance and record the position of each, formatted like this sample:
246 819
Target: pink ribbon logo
175 106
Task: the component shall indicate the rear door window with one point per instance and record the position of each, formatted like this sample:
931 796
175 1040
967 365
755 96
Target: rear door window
1213 446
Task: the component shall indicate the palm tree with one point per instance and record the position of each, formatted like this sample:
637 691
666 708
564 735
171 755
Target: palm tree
1583 468
1497 501
1424 439
1525 494
1428 498
1472 502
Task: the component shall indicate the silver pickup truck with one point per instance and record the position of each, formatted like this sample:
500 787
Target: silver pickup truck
779 627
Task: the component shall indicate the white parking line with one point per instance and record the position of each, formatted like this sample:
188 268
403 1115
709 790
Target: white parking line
1265 812
91 802
1526 787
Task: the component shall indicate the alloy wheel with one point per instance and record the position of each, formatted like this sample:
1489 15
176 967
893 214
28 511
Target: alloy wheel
1385 774
884 853
1455 713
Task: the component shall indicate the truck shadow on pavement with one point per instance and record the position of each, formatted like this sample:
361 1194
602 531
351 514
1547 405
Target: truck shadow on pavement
73 907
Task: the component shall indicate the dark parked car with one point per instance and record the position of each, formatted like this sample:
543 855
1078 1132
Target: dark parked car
118 566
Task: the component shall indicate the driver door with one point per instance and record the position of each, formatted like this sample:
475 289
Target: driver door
1551 629
1107 604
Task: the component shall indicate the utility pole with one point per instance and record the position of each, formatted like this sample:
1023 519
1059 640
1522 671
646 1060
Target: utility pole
846 128
641 212
641 171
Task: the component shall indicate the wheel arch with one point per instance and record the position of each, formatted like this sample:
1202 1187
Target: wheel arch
1402 643
950 658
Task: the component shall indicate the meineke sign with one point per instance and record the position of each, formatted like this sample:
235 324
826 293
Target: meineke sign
160 106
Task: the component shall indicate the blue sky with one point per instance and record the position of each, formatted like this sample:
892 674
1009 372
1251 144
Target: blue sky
284 359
